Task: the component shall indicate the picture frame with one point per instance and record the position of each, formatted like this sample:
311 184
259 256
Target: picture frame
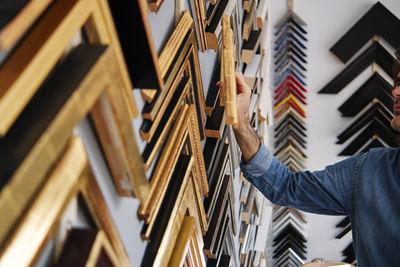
228 98
181 220
87 247
214 26
86 81
139 52
15 25
71 176
186 126
31 62
179 57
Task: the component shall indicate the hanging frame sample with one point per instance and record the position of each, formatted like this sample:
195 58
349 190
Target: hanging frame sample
28 66
375 88
181 199
71 176
375 129
139 52
377 110
199 8
290 130
214 23
376 53
186 126
179 57
228 96
17 17
87 247
377 21
87 80
219 165
212 98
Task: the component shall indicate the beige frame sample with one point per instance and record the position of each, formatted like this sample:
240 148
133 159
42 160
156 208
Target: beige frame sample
228 97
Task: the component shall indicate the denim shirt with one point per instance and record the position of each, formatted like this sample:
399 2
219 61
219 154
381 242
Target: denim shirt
365 187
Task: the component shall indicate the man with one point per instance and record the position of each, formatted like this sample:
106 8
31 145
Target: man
365 187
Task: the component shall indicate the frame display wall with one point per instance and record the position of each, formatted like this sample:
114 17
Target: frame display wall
63 100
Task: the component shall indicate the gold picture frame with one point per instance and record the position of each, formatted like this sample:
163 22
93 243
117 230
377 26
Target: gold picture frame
228 97
186 126
71 176
28 66
21 22
98 89
183 220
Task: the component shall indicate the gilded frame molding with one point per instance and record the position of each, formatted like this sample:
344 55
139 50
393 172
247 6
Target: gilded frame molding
180 55
28 66
186 125
71 176
181 220
100 92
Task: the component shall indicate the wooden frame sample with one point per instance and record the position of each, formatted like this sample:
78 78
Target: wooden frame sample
28 66
213 91
262 13
248 205
214 25
249 19
71 176
223 239
140 53
374 54
213 28
181 204
199 8
378 20
216 219
250 47
166 123
228 97
178 57
215 124
217 169
19 18
74 89
185 126
87 247
216 177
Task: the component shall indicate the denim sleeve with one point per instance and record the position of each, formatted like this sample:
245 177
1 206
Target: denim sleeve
329 191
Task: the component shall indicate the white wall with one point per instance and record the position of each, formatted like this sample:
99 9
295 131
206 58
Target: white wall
327 21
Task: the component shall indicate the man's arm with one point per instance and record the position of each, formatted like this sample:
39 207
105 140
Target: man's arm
326 192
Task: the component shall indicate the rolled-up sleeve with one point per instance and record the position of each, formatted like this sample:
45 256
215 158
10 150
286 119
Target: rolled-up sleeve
328 191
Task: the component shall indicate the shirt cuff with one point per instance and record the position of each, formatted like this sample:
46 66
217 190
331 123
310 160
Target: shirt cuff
259 163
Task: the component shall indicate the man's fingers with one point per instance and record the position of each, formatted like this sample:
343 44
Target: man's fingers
241 85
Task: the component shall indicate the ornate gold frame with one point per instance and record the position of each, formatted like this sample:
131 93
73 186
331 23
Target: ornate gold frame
186 126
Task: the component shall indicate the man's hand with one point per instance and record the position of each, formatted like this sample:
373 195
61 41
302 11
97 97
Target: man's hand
246 137
242 99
